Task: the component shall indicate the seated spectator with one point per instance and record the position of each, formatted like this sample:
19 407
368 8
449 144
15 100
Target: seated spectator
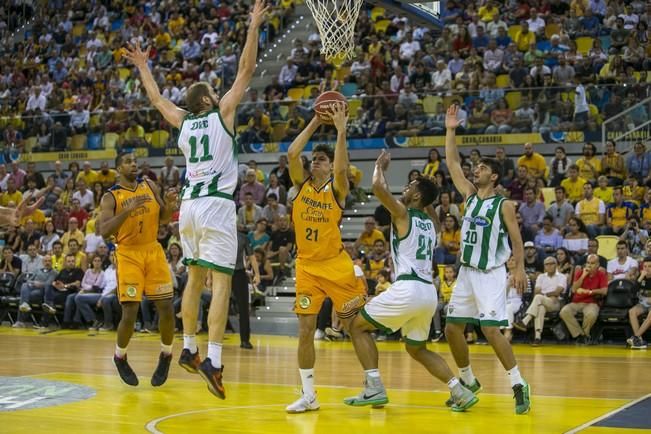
248 214
618 213
590 283
32 261
533 161
369 236
108 300
92 286
376 260
273 211
591 211
589 165
513 299
573 184
548 239
169 174
448 284
450 241
633 192
92 242
565 264
603 191
253 187
29 235
638 164
501 118
643 307
533 264
11 194
259 238
548 289
265 270
34 287
282 173
622 266
612 164
68 281
74 249
80 214
10 263
635 236
532 210
73 233
560 210
576 239
445 207
48 238
516 187
282 244
524 38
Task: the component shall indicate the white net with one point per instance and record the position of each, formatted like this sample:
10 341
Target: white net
336 21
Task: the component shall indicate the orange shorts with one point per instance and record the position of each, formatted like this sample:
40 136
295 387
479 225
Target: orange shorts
334 278
143 270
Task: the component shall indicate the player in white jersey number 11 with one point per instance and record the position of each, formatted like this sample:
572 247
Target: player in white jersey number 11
479 297
410 302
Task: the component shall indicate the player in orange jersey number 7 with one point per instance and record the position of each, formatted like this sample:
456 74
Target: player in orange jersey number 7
323 268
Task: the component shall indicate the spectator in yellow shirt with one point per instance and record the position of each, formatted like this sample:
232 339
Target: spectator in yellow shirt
448 283
134 136
11 195
613 165
176 23
603 191
589 165
162 40
107 177
533 161
573 184
58 258
369 236
487 12
524 38
88 175
633 192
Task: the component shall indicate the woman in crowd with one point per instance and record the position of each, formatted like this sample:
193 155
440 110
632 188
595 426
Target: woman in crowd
276 187
450 242
68 191
48 238
92 286
266 271
259 237
565 264
576 240
559 166
445 207
434 164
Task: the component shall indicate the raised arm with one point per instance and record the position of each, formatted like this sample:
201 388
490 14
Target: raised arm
465 187
172 114
296 148
340 170
381 189
248 58
519 275
12 216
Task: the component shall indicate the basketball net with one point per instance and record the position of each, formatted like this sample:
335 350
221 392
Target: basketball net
336 21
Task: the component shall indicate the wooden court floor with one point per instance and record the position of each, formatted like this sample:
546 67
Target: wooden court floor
572 386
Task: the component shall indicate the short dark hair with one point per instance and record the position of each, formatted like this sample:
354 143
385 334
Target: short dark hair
330 153
273 196
548 218
73 240
120 157
194 95
618 188
496 168
622 243
560 188
57 243
427 189
70 255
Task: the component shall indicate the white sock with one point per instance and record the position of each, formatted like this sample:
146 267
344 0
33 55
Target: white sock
307 380
375 373
514 376
165 349
190 342
121 352
215 354
454 381
466 375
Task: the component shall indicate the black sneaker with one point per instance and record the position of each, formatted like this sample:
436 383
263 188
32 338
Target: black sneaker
246 345
638 343
49 309
163 368
520 326
190 361
536 342
126 373
580 340
437 336
212 376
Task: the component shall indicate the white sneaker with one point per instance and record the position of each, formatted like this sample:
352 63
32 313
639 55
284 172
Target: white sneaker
319 335
19 325
303 404
24 307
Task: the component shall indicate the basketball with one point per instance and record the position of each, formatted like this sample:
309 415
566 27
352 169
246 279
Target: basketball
325 102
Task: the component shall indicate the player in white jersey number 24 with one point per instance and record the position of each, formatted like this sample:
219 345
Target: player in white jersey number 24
410 303
208 221
480 294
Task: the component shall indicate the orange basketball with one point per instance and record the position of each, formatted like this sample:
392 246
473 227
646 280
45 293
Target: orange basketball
325 103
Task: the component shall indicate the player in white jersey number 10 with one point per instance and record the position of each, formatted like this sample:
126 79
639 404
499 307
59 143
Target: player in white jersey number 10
410 303
208 221
479 297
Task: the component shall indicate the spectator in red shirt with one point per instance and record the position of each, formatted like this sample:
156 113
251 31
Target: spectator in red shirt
590 282
79 213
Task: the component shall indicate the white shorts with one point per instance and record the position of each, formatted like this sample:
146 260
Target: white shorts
409 305
479 298
208 229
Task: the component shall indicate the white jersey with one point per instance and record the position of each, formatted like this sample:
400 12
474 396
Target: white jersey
484 242
210 153
412 254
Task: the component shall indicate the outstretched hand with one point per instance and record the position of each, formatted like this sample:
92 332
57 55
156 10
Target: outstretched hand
383 160
12 216
136 55
451 120
339 116
258 13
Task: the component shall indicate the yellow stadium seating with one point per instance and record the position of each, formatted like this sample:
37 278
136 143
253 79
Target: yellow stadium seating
430 102
552 29
502 81
307 90
279 130
549 195
608 246
124 73
159 138
110 139
513 99
295 93
343 73
30 143
353 107
381 26
584 44
78 142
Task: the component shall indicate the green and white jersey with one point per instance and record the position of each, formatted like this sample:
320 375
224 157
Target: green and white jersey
484 241
412 254
210 156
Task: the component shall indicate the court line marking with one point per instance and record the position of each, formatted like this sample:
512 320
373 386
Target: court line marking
607 415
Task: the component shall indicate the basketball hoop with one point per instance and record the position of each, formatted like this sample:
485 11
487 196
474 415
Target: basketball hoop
336 21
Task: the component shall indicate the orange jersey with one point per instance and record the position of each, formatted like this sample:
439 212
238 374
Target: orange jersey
316 215
141 227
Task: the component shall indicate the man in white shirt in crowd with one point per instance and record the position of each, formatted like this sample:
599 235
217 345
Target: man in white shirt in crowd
536 23
623 266
549 286
493 57
36 100
492 28
84 195
409 47
442 77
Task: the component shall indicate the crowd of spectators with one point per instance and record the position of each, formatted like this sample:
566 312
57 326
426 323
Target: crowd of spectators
68 77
